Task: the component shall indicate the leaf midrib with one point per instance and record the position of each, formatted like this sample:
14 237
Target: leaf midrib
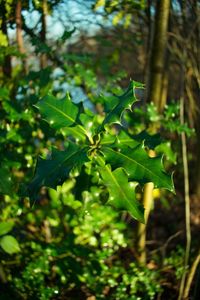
64 160
116 183
124 195
67 116
61 112
137 163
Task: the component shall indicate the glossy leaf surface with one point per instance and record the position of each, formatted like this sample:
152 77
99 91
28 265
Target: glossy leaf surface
122 192
125 101
54 171
59 113
139 166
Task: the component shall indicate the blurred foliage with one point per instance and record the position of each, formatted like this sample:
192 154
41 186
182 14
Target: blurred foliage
67 244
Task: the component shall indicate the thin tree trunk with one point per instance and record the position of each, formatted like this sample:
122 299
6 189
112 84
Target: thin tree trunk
197 119
197 174
7 67
157 95
43 58
158 53
19 35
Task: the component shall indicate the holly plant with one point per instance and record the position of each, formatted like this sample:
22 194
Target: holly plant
99 149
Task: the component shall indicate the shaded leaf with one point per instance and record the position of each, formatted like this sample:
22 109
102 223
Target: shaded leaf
6 184
67 34
151 141
54 171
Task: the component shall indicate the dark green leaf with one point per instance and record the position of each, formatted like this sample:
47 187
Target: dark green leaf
54 171
59 113
6 184
125 101
67 34
151 141
122 192
139 166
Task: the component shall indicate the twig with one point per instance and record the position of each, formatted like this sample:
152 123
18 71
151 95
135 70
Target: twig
187 201
191 276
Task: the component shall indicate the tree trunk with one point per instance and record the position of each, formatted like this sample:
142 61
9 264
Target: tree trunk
19 35
7 67
157 93
158 53
43 58
197 176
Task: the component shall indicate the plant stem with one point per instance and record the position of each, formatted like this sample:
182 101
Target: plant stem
142 228
187 202
191 276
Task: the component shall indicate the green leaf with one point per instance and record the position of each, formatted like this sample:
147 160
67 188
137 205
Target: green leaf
139 166
67 34
122 192
125 139
151 141
9 244
6 184
125 101
59 113
5 227
54 171
166 149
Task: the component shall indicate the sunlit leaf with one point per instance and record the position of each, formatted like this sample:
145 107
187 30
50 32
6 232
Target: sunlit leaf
122 192
9 244
59 113
6 227
139 166
125 101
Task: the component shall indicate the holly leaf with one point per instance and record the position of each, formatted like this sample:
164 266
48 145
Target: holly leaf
54 171
125 101
121 140
59 113
125 139
121 192
139 166
151 141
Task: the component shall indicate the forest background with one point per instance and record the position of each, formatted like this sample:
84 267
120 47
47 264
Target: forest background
68 244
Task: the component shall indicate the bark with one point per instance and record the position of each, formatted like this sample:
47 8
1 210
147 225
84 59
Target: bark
7 67
43 58
196 40
157 93
158 53
19 35
197 175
